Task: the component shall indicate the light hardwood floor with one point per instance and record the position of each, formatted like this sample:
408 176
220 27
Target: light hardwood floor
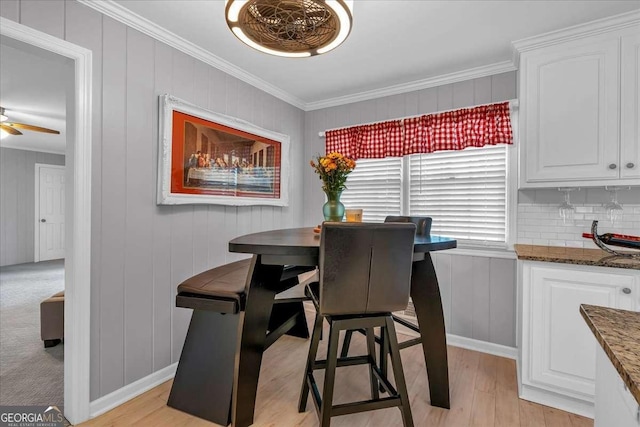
483 393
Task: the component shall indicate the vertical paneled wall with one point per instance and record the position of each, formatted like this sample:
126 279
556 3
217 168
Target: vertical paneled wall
141 251
478 292
17 202
478 296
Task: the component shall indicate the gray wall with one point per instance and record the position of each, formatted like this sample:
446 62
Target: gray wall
141 251
17 202
478 293
478 296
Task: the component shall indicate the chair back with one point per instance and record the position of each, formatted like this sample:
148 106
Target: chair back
365 267
423 223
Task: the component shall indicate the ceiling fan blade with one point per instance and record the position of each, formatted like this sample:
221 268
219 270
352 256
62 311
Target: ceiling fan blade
33 128
10 130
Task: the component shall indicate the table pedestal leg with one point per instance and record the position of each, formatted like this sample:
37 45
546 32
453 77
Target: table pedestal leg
254 322
425 294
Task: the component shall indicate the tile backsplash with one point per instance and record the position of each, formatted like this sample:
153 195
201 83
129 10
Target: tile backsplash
540 224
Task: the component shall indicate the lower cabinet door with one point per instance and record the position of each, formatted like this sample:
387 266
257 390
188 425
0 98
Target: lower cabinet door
562 348
615 406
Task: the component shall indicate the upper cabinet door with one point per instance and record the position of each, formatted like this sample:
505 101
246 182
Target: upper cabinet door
569 97
630 123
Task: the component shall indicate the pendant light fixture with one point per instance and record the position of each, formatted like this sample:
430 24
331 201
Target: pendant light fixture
292 28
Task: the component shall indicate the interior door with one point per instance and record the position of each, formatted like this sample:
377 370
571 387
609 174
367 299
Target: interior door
51 212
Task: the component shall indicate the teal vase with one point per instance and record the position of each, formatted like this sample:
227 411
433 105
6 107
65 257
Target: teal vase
333 210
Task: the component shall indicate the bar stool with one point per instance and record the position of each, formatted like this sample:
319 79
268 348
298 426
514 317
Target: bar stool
365 274
423 228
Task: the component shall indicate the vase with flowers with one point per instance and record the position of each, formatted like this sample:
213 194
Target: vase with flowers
333 169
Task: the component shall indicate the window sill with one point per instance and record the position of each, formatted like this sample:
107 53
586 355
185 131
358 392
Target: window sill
482 252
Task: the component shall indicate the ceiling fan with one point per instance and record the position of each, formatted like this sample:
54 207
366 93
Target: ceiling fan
12 127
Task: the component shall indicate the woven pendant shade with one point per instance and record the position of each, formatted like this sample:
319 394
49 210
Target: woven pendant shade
295 28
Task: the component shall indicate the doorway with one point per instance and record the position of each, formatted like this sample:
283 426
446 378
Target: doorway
78 215
49 212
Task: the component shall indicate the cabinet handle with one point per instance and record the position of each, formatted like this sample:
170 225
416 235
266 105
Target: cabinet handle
630 165
626 291
613 166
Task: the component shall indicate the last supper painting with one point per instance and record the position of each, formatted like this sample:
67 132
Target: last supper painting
218 159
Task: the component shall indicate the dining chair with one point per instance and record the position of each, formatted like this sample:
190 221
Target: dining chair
364 275
423 228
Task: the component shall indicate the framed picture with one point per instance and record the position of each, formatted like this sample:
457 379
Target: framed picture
206 157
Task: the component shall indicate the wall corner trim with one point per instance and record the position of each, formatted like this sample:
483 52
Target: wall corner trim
116 398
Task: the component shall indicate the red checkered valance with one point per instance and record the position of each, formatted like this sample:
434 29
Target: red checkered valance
367 141
451 130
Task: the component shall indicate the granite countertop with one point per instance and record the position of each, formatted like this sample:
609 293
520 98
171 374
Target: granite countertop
618 332
568 255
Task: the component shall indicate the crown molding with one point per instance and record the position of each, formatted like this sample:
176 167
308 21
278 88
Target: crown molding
604 25
472 73
122 14
137 22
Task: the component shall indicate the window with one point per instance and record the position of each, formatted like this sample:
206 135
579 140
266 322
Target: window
375 186
463 191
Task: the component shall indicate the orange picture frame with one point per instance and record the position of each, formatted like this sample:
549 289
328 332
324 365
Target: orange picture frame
207 157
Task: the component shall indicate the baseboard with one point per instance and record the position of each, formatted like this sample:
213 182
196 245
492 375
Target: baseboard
468 343
482 346
128 392
559 401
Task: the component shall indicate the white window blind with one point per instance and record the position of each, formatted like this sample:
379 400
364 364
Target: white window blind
375 186
463 191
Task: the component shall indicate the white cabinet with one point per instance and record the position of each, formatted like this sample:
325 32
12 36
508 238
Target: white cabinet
579 110
557 349
630 120
615 406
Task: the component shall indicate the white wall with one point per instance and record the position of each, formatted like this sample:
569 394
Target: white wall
17 202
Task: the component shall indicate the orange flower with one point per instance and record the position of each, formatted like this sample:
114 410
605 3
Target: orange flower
333 170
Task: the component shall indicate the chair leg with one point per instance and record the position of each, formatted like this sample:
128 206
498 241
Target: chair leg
313 350
384 355
371 349
398 373
329 377
346 343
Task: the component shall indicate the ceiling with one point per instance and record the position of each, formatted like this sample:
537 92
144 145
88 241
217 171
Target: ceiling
394 45
393 42
33 87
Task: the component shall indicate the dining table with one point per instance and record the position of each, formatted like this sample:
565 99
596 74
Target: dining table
272 251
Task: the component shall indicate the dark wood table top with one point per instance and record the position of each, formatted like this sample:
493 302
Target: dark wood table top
303 241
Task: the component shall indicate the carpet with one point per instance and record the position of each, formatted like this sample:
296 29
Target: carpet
29 373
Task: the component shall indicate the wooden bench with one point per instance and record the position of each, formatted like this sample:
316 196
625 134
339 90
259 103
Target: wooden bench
203 384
